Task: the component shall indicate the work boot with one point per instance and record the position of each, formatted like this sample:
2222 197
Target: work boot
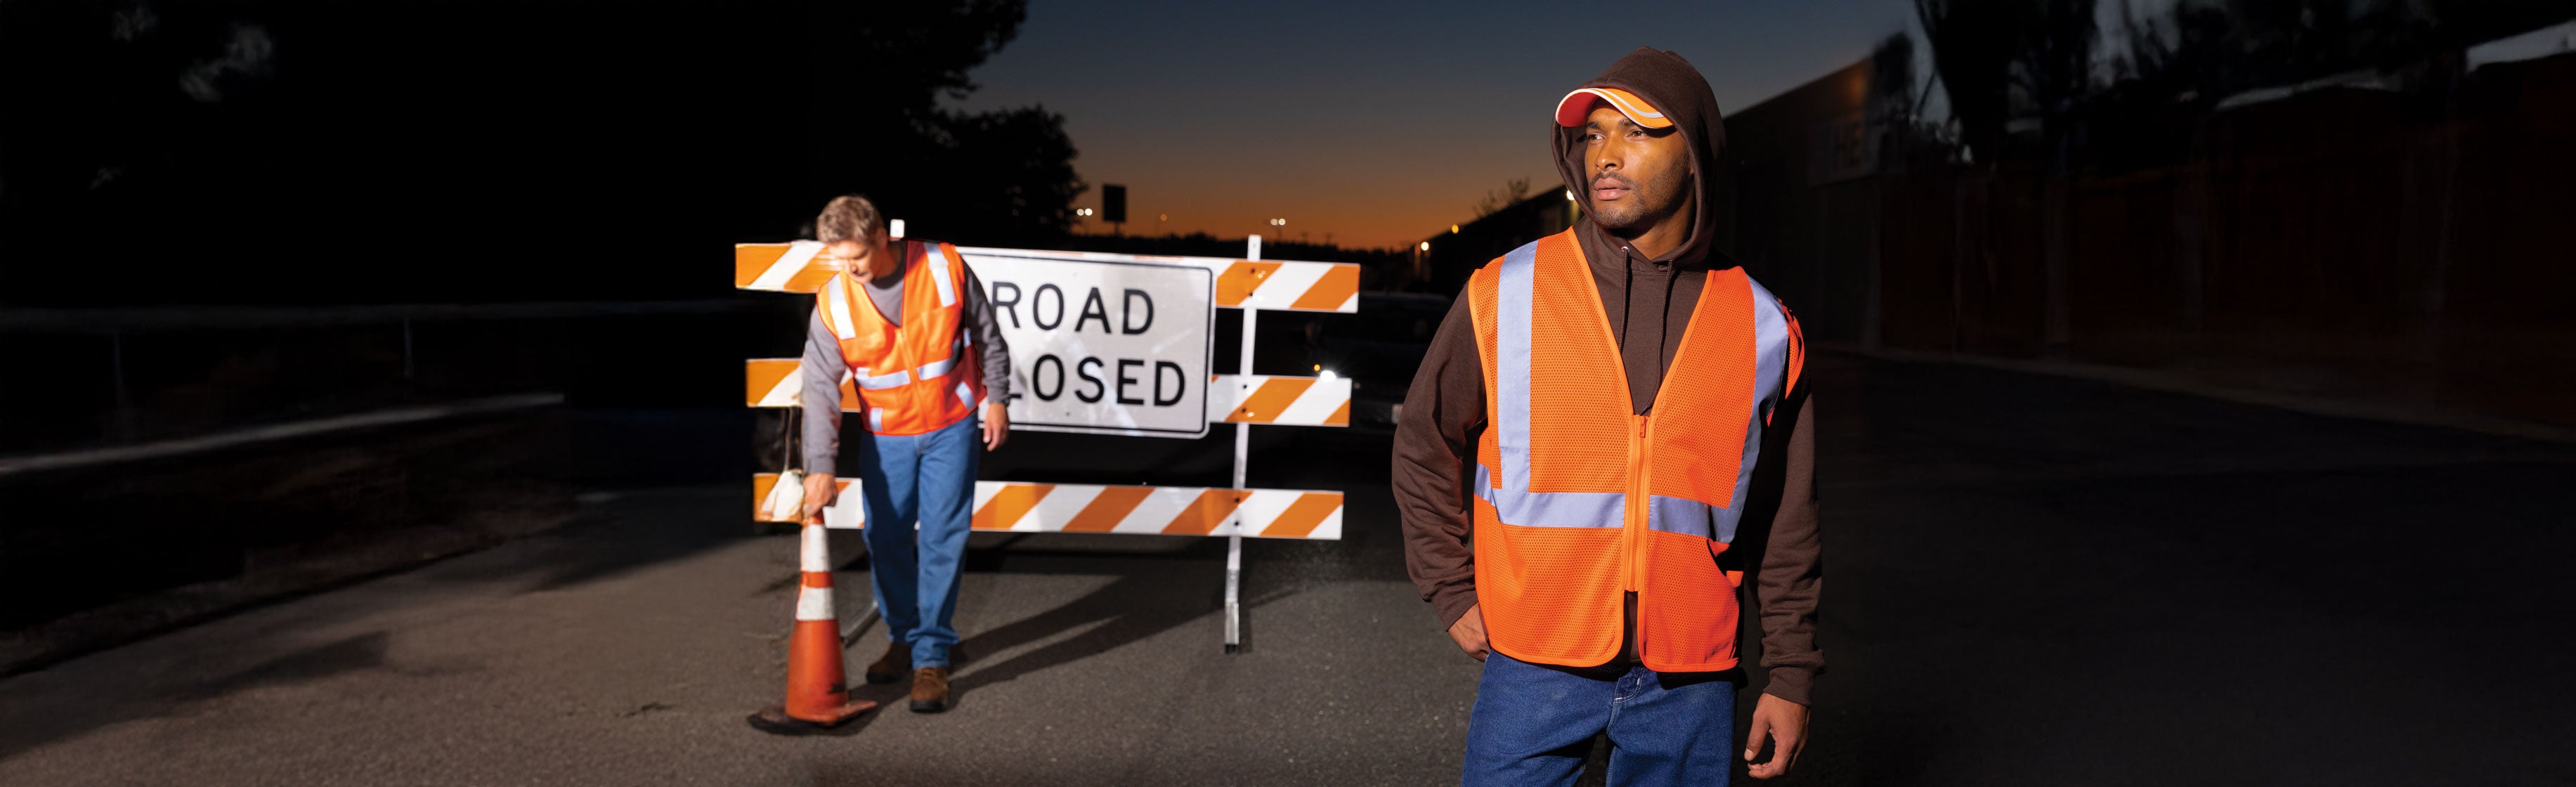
891 667
930 690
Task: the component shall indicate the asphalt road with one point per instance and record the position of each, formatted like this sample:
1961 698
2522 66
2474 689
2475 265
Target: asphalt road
2032 581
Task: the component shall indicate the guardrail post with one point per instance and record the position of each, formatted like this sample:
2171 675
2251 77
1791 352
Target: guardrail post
122 421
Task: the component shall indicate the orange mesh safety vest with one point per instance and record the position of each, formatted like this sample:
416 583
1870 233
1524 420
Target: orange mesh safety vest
922 376
1579 499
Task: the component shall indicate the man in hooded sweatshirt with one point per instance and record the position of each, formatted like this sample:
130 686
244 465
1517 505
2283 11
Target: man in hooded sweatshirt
1608 430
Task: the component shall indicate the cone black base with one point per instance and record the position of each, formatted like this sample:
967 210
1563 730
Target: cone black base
775 721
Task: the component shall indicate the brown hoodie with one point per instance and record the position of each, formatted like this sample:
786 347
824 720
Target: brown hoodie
1648 302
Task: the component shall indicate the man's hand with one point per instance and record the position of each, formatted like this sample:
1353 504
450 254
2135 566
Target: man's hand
1469 632
997 424
1784 723
819 492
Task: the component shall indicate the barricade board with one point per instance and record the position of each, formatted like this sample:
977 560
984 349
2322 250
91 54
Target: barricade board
1018 507
1232 398
1277 285
1280 400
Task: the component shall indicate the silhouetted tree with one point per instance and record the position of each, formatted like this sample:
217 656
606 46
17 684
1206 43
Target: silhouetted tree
1513 191
879 71
1016 170
1974 43
272 151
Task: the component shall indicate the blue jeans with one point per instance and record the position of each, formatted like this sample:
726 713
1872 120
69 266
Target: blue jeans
1533 725
930 479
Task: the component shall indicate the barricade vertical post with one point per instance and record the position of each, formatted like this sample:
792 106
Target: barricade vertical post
1242 455
859 625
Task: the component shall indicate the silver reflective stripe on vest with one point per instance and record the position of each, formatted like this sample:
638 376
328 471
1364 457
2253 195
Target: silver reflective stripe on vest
940 368
1513 300
841 325
1593 509
1770 364
1515 293
881 382
1551 509
939 263
1682 515
1513 501
876 419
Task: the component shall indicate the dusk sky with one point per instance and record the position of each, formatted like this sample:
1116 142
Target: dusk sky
1377 122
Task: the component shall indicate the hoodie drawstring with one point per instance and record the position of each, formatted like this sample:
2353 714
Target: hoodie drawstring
1627 297
1665 320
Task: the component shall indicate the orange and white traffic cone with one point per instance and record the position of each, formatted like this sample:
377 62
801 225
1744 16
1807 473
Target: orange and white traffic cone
818 694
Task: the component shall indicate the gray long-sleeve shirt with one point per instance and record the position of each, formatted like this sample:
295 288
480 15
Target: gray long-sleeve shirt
823 366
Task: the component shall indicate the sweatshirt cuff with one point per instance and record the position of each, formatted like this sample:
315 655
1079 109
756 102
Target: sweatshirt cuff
1452 603
1795 684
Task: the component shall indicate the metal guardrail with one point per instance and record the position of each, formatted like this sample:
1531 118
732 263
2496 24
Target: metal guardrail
17 320
92 382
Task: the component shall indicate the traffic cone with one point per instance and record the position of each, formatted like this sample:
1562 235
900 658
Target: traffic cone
818 694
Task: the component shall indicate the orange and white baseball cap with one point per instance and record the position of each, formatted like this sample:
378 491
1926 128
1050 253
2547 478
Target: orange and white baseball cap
1571 110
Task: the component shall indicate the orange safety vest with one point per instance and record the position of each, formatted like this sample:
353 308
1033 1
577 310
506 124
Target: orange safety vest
922 376
1579 499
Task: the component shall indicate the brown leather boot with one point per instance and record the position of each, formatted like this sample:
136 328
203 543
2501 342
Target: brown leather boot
930 690
891 667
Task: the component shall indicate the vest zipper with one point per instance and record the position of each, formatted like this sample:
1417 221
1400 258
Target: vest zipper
1633 519
1639 501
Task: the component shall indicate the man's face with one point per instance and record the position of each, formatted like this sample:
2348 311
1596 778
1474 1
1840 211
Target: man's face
1637 175
859 257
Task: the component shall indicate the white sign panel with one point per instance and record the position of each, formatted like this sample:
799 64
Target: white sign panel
1103 347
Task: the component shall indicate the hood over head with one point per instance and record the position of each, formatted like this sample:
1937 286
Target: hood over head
1677 90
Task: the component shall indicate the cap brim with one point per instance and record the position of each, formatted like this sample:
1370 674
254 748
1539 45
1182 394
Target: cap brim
1571 110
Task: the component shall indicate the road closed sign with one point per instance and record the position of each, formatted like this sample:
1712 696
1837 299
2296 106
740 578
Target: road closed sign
1103 347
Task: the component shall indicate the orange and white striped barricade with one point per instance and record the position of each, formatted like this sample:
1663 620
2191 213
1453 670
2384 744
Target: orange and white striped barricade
1023 507
776 382
1277 285
1278 400
1250 284
780 267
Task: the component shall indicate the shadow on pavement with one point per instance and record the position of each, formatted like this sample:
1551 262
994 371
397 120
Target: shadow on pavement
1145 600
19 733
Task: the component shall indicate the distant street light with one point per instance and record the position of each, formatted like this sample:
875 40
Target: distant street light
1426 245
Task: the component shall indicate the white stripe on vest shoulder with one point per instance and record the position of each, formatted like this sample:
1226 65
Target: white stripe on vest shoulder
939 267
1515 294
840 315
